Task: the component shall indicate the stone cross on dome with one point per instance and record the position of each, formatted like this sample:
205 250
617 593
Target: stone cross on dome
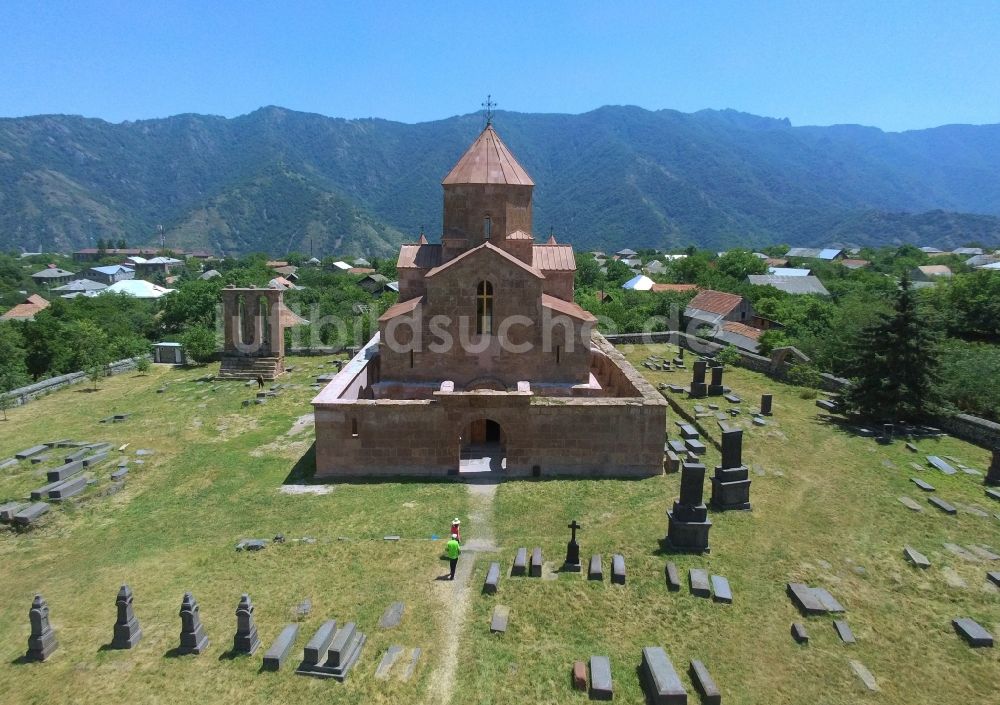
488 107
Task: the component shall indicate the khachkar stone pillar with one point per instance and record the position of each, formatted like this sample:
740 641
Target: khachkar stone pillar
688 523
127 629
42 641
993 474
193 638
246 640
765 404
572 564
716 388
698 387
731 483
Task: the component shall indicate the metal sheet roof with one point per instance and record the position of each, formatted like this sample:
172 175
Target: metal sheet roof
488 161
554 258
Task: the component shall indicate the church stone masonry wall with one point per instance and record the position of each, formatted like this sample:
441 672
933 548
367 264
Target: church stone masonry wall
467 205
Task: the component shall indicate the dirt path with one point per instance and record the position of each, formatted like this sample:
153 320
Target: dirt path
455 597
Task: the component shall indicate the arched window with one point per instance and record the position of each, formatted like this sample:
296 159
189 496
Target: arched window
484 308
487 227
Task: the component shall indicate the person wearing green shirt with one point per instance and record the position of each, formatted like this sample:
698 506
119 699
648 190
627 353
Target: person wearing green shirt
453 549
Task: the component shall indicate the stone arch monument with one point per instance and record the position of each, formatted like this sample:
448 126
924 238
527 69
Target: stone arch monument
254 338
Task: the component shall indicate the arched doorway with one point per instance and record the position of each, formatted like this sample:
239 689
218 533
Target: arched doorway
483 447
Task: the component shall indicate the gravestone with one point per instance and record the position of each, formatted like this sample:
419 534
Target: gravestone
765 404
910 504
600 678
698 387
731 482
344 651
972 632
926 487
579 676
9 509
694 446
572 564
67 489
193 638
993 473
7 463
246 640
698 578
688 524
722 591
28 452
119 473
715 388
844 631
659 679
317 647
64 471
941 465
618 569
705 684
392 616
595 570
275 656
673 577
799 633
520 562
688 431
888 431
499 619
492 579
536 563
43 491
671 462
389 659
943 506
30 514
127 631
42 641
916 557
994 577
412 667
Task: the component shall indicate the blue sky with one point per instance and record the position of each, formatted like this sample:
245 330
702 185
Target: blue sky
895 65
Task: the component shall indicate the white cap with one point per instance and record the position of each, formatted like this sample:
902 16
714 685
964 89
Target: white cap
454 536
456 521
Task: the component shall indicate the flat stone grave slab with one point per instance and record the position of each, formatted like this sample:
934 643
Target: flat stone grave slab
984 552
864 675
392 616
916 557
705 684
277 653
805 598
9 509
688 431
39 459
77 455
68 489
119 473
910 504
499 619
520 562
799 633
659 679
31 513
970 471
826 405
43 491
600 678
732 398
827 600
941 465
699 409
910 446
677 446
7 462
536 562
759 421
844 631
618 569
492 579
942 505
389 659
921 484
695 446
994 577
92 460
317 647
28 452
698 578
918 467
957 550
673 577
64 471
972 632
993 494
721 592
595 571
412 666
713 407
721 417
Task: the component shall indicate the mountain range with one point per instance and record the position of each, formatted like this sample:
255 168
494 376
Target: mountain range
277 181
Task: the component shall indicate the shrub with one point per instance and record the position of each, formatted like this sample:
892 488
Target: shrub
729 355
199 343
804 376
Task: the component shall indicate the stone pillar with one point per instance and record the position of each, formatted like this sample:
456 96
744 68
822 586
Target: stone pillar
688 523
888 431
993 474
698 387
246 640
127 630
572 564
765 404
193 638
731 483
42 641
716 388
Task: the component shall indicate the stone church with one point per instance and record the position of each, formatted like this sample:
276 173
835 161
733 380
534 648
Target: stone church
486 363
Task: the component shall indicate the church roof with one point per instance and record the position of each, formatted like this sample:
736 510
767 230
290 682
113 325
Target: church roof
567 307
554 258
420 256
490 247
488 161
401 308
520 235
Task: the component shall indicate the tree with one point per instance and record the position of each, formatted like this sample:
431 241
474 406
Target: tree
739 263
13 372
142 364
92 349
199 343
893 369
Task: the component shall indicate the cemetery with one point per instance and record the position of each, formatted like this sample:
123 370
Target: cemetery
773 560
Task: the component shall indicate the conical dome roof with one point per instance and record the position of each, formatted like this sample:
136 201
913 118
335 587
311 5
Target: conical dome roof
488 161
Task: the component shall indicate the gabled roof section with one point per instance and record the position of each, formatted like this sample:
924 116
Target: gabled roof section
554 258
419 256
402 307
520 235
567 307
719 302
488 161
489 247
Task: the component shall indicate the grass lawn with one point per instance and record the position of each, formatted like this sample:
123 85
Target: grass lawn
825 512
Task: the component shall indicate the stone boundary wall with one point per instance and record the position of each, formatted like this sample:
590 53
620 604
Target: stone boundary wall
23 395
972 429
694 421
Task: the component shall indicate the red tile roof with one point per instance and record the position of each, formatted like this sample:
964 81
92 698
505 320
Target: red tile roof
715 301
854 263
568 308
554 258
675 287
488 161
26 310
742 329
359 270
